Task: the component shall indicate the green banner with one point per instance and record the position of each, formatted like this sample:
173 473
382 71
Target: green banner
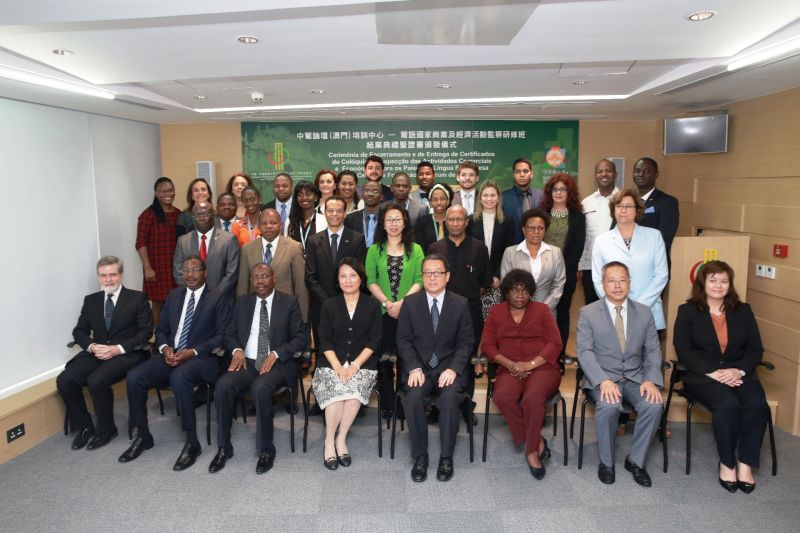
303 148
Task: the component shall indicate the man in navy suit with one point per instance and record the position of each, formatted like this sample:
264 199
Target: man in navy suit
660 209
521 196
113 328
365 221
264 333
190 328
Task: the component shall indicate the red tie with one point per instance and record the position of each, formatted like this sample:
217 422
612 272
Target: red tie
203 251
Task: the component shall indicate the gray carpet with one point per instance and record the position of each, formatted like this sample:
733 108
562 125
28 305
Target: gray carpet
52 488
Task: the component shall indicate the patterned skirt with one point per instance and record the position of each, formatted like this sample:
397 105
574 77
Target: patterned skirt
328 388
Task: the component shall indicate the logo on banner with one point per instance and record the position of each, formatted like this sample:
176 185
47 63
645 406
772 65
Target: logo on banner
709 254
556 156
278 156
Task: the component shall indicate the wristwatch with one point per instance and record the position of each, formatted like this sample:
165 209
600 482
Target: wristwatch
742 373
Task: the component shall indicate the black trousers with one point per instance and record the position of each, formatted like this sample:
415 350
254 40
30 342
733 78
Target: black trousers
447 400
182 379
589 294
99 376
562 309
262 388
738 417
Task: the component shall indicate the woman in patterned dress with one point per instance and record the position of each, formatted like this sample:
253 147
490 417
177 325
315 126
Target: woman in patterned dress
155 242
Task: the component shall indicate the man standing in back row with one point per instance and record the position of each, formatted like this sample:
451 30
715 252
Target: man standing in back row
598 220
521 196
660 209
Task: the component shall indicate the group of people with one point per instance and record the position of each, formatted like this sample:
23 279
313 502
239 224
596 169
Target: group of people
433 276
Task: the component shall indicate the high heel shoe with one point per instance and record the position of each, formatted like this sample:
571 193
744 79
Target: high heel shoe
537 473
331 463
730 486
545 454
744 486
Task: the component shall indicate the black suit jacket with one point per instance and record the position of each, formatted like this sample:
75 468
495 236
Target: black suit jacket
286 332
573 247
346 336
661 213
131 322
416 341
696 343
424 232
355 221
210 317
321 276
502 238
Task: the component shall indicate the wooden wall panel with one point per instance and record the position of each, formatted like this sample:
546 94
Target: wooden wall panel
682 189
756 191
773 308
786 283
781 385
780 340
772 220
718 216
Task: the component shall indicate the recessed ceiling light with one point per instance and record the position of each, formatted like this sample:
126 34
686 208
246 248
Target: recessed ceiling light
444 86
200 96
579 82
318 91
247 39
700 16
63 52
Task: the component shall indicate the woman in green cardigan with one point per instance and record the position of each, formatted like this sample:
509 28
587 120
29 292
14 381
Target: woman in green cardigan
394 270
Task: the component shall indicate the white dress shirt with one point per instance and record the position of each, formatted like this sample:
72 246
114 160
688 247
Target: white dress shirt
274 244
187 295
468 201
623 312
536 262
598 221
251 349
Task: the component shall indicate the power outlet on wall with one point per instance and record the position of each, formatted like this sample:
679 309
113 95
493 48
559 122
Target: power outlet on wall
15 433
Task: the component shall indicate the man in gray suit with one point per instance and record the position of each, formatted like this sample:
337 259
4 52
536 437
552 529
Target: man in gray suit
620 356
217 248
401 189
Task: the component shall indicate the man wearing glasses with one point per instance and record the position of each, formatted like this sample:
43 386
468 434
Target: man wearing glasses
434 339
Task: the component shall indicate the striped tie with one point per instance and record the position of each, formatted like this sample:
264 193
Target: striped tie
263 335
187 323
434 360
268 254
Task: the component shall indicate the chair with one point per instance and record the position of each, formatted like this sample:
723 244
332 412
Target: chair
553 401
678 369
209 387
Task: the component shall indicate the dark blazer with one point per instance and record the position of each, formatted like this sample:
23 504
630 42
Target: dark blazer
211 315
222 259
696 343
573 246
286 332
512 208
131 322
416 341
321 277
346 336
661 213
502 238
424 233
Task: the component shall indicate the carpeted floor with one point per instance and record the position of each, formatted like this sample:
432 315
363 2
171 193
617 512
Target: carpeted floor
52 488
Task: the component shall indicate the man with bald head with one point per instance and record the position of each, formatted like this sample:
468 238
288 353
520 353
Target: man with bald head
598 220
283 254
264 333
218 249
660 209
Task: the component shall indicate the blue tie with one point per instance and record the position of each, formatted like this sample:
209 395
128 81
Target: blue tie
187 323
227 224
268 254
283 216
370 236
434 360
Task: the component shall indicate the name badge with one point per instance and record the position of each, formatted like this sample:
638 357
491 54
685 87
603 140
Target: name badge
650 209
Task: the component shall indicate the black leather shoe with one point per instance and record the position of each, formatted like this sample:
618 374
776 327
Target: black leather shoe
98 441
187 457
606 474
730 486
331 463
640 475
344 459
537 473
445 470
138 445
265 461
419 472
218 462
746 487
82 438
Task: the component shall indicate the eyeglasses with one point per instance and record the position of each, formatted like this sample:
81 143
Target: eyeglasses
435 274
620 281
190 270
624 207
456 219
393 220
559 189
262 277
535 229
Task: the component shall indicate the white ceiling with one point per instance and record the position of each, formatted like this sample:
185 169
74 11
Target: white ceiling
156 55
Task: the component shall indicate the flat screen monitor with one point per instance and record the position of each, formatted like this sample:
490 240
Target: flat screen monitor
696 135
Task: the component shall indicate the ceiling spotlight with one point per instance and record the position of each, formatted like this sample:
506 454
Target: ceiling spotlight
700 16
63 52
580 82
318 91
200 96
444 86
247 39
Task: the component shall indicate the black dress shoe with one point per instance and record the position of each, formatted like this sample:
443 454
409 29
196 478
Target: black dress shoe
445 470
640 475
82 438
265 461
187 457
546 453
98 441
218 462
331 463
537 473
730 486
138 445
344 459
606 474
746 487
419 472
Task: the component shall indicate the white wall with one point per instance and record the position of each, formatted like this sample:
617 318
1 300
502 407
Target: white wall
74 185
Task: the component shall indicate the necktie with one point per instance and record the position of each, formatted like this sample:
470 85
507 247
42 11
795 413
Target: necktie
227 224
468 203
619 325
203 249
268 254
187 323
263 335
283 216
334 247
370 237
526 200
109 311
434 360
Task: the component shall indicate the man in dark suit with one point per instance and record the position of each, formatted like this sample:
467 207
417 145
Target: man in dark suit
190 328
262 336
620 356
373 171
426 178
112 331
661 210
434 337
218 249
282 203
401 189
521 196
365 221
226 212
324 250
